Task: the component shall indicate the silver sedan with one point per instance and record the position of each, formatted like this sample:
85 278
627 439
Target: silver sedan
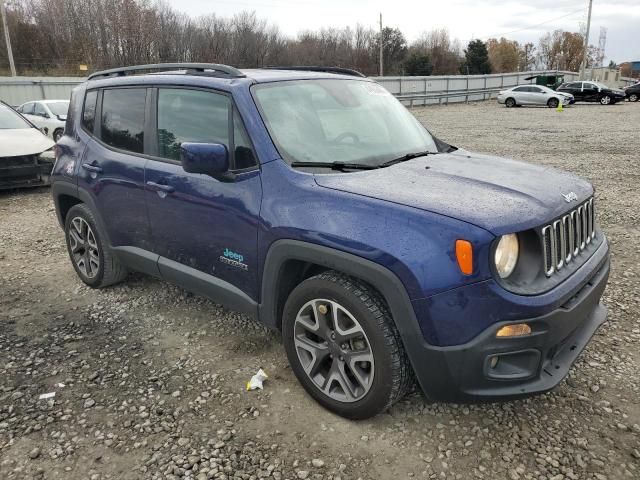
533 95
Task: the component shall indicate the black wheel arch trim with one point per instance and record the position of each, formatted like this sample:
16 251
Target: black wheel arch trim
61 187
420 354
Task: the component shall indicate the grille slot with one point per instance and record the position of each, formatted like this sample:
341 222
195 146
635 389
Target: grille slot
566 238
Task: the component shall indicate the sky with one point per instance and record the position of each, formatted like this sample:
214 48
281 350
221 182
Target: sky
523 21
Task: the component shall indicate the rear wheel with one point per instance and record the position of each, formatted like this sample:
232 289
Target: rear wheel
553 103
633 97
343 346
90 255
510 102
605 100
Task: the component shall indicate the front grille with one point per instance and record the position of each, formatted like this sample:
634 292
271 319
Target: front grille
566 238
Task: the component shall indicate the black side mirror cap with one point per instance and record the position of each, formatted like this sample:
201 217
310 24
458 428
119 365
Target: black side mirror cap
207 158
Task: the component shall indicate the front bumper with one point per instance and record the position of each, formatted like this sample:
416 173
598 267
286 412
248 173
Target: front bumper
26 171
526 365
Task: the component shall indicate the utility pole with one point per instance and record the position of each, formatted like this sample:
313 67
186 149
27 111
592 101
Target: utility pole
583 65
7 39
381 43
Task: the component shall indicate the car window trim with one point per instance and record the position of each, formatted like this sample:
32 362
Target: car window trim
153 128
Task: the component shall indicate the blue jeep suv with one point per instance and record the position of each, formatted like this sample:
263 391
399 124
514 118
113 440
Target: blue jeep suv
313 201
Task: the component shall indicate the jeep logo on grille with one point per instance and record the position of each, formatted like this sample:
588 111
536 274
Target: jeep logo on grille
570 197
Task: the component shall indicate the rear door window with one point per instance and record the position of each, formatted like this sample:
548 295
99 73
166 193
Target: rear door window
122 120
39 110
27 109
520 89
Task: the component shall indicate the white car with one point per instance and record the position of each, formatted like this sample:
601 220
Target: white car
533 95
26 156
48 115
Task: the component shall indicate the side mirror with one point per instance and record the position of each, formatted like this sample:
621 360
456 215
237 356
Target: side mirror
206 158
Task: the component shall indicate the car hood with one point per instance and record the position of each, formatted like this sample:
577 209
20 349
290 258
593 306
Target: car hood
23 141
497 194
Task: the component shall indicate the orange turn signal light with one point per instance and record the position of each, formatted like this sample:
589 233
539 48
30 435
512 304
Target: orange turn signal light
517 330
464 254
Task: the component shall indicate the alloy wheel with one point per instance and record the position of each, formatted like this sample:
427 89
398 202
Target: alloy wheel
84 248
633 97
334 350
606 100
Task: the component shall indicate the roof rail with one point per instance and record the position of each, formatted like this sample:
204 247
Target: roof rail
197 68
339 70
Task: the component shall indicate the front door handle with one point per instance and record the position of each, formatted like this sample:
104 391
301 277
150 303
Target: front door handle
92 168
158 187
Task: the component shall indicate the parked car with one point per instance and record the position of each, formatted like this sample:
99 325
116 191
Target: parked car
316 203
632 92
26 156
592 92
48 115
533 95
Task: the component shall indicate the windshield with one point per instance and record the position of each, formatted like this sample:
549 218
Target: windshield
339 121
58 108
10 119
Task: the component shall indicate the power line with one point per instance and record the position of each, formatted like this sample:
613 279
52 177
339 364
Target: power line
534 26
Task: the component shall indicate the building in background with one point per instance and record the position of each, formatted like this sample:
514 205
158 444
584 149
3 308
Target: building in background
630 69
609 76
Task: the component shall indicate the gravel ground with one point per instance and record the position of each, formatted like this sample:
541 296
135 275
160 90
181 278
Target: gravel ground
149 379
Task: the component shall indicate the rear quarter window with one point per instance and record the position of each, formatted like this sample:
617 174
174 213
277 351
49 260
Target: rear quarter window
89 110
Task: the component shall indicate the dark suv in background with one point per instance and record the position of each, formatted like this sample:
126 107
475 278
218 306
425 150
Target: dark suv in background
592 92
316 203
632 92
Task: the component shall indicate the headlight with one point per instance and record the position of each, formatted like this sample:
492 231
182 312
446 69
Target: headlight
506 255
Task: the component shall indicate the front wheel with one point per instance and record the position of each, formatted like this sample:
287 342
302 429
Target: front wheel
633 97
553 103
510 102
343 346
605 100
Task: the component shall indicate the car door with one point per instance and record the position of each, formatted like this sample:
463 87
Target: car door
205 230
520 94
112 169
575 89
589 92
537 96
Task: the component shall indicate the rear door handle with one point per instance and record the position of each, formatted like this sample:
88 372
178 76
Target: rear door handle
92 168
158 187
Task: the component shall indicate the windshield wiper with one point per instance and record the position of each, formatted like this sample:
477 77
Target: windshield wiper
340 166
404 158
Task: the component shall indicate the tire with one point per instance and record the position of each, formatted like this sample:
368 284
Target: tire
361 311
510 102
89 253
605 100
633 97
57 134
553 103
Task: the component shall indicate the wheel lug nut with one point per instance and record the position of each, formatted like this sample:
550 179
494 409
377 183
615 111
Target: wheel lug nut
341 358
323 309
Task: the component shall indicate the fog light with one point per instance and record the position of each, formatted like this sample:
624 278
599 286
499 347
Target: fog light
494 361
517 330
